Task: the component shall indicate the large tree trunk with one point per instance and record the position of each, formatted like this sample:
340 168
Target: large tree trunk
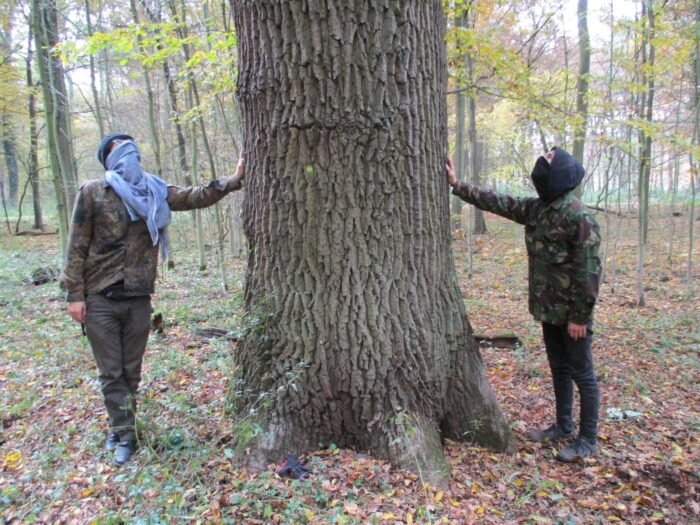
358 334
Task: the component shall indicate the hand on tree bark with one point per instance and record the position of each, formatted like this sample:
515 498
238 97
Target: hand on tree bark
240 167
451 172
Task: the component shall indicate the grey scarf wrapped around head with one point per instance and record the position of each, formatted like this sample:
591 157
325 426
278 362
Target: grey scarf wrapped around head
144 194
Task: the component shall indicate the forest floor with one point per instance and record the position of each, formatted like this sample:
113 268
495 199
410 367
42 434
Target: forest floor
53 469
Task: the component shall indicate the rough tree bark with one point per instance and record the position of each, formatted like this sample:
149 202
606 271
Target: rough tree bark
358 334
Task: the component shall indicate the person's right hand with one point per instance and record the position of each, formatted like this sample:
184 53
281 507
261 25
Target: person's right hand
77 311
451 171
240 167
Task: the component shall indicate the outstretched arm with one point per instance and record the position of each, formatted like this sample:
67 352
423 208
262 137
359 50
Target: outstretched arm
193 197
513 208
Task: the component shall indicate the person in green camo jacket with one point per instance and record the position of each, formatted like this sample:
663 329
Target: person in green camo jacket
562 239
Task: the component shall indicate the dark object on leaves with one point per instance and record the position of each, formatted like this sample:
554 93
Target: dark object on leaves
293 467
500 341
214 333
46 274
157 323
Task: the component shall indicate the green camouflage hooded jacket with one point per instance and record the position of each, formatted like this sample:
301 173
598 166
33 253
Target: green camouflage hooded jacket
562 239
105 246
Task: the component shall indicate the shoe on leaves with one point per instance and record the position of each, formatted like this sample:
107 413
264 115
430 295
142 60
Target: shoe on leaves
551 434
112 441
576 451
123 452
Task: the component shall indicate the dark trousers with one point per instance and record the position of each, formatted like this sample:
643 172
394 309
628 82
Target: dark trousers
118 332
572 362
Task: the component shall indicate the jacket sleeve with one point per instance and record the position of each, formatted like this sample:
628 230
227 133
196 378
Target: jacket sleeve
513 208
585 276
193 197
79 238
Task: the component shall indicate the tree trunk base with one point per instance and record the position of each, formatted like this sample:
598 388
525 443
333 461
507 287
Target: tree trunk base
412 443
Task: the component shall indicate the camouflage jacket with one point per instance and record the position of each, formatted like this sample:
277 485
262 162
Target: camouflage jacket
562 240
105 246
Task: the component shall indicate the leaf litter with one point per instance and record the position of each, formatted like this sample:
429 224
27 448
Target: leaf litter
53 470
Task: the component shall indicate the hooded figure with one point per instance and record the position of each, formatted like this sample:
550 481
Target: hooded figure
562 240
562 175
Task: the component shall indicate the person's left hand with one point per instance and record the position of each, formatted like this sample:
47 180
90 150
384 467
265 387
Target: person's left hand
576 331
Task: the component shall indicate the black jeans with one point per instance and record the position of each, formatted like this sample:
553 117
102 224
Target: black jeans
572 362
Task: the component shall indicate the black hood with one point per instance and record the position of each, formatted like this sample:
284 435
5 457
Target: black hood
554 180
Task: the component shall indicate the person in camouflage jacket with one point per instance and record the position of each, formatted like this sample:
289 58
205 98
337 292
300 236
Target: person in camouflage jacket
562 240
119 221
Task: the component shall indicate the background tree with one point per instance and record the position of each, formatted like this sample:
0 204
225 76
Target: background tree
56 109
584 69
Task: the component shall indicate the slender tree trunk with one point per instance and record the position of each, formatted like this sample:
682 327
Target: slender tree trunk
609 173
461 165
9 148
194 176
112 120
219 241
584 69
93 80
7 128
358 333
696 140
56 106
645 142
33 162
150 97
478 224
673 176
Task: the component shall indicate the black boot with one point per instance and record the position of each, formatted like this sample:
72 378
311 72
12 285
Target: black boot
111 441
123 452
549 435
